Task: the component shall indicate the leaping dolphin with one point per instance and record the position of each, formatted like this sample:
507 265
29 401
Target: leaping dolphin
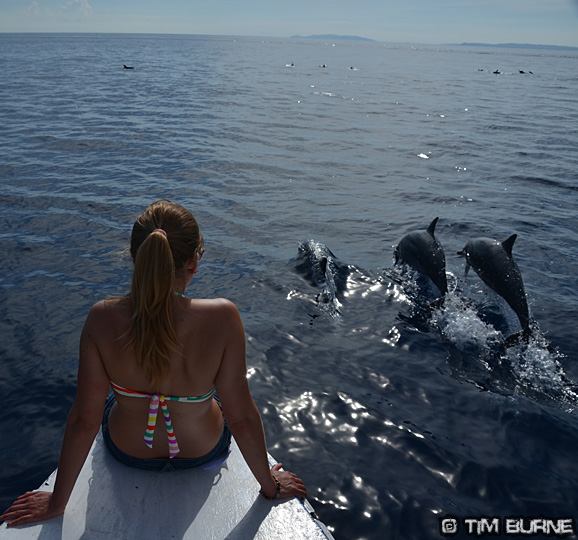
493 262
322 268
422 251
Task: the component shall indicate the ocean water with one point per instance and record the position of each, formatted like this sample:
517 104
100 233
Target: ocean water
395 415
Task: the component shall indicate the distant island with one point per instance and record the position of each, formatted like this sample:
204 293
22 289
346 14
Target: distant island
520 46
332 36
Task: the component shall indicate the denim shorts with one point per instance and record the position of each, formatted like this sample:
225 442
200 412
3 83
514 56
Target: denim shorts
213 459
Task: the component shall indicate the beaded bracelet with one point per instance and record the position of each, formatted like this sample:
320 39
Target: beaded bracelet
276 494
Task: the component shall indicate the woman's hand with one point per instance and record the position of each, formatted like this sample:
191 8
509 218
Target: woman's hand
30 507
290 484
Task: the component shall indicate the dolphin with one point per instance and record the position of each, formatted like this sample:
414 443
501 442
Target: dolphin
422 251
493 262
322 268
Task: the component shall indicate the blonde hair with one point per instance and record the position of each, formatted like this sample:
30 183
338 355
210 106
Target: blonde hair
164 237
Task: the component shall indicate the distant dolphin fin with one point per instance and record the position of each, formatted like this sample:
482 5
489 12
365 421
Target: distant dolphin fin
432 226
509 244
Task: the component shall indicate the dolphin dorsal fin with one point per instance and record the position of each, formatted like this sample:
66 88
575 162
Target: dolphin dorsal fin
432 226
509 244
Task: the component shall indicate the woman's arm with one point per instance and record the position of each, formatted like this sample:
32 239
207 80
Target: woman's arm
242 415
81 428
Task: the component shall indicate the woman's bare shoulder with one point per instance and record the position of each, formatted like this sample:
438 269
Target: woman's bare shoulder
110 301
110 306
216 305
217 311
108 312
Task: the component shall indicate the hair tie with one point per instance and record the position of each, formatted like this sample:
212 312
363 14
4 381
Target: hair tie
162 231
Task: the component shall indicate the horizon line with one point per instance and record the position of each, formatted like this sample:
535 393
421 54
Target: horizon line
344 37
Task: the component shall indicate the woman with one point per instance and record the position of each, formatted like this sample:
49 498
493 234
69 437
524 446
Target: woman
164 355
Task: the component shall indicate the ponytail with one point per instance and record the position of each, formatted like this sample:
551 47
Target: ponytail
152 332
158 256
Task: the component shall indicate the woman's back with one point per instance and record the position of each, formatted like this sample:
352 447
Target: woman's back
202 336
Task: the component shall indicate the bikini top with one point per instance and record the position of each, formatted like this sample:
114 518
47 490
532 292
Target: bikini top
157 399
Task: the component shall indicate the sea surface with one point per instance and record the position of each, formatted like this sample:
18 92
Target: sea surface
395 414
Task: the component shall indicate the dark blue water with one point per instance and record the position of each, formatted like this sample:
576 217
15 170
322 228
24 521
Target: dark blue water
394 416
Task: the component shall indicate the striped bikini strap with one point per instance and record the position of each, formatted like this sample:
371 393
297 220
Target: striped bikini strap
126 392
156 400
150 430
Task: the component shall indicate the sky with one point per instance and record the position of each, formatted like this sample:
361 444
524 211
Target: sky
544 22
